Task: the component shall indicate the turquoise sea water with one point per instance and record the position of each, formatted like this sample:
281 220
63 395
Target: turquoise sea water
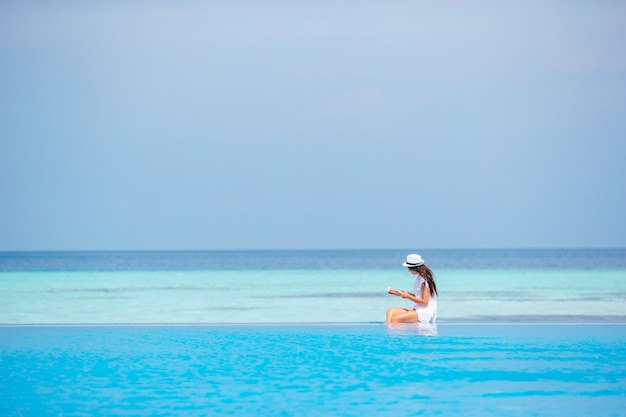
307 286
520 333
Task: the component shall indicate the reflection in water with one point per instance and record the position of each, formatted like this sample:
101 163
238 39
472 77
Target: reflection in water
421 329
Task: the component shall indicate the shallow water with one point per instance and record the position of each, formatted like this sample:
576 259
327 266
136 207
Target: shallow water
305 296
349 370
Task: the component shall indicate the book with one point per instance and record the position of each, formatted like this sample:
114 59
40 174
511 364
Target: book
392 291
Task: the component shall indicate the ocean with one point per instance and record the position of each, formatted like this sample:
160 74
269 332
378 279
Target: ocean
317 286
301 333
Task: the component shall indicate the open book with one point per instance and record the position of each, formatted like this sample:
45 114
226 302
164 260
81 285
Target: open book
392 291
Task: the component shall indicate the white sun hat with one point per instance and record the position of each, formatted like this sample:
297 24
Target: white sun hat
413 260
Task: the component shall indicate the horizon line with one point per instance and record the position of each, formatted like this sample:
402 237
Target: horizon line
303 249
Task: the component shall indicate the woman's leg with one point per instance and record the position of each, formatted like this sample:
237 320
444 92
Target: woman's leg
401 315
392 311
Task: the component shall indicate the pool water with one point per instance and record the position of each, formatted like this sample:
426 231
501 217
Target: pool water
314 370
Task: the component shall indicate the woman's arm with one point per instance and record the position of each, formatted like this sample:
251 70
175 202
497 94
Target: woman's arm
421 301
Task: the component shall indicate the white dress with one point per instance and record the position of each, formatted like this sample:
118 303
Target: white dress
425 313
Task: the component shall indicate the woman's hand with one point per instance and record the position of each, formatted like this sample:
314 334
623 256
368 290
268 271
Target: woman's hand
393 291
404 294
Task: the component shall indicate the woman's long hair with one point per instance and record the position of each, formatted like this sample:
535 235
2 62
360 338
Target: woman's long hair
428 275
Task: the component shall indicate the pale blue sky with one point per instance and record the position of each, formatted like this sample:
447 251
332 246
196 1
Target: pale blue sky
313 124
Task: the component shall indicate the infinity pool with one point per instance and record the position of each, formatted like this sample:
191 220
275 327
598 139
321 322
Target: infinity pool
314 370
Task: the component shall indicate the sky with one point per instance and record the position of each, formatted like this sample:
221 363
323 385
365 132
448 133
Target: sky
193 125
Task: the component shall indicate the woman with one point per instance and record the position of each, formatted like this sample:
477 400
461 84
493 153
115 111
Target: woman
424 296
